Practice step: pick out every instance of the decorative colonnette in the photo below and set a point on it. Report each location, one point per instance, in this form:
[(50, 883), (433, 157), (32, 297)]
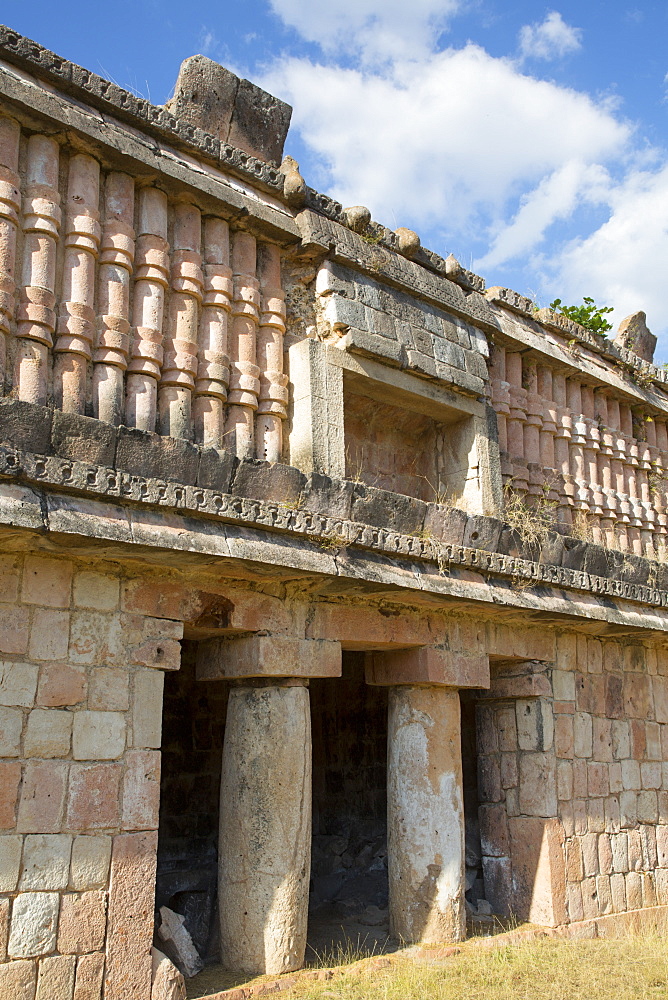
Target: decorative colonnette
[(604, 465), (178, 326), (335, 533), (81, 678)]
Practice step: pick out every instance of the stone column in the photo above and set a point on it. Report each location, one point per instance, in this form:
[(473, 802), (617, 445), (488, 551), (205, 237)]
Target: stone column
[(73, 349), (10, 205), (425, 815), (117, 252), (213, 370), (425, 810), (265, 828), (265, 794), (151, 282), (36, 316), (244, 372), (177, 379)]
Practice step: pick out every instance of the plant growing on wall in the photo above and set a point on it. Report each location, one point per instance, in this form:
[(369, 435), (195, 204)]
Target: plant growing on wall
[(589, 315)]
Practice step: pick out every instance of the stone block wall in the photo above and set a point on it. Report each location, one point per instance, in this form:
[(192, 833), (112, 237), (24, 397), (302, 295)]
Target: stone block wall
[(572, 781), (400, 330), (80, 728)]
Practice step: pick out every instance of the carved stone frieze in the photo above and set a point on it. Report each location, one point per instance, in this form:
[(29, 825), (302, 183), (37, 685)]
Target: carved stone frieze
[(332, 533)]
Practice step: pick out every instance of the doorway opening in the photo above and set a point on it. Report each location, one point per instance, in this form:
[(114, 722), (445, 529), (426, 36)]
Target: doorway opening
[(349, 884), (192, 745)]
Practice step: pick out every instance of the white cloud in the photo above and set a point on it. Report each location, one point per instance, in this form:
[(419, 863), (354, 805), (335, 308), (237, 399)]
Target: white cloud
[(444, 145), (622, 262), (551, 39), (377, 30), (556, 197), (476, 154)]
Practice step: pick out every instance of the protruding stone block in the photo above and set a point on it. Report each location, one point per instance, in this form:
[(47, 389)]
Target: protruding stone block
[(265, 829), (268, 656), (212, 98), (428, 665), (633, 334), (425, 815)]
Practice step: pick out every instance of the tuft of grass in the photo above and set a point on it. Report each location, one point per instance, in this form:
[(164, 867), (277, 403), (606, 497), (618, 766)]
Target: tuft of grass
[(634, 968), (531, 517)]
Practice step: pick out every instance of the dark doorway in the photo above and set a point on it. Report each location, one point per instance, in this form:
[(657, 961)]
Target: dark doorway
[(349, 885), (192, 746)]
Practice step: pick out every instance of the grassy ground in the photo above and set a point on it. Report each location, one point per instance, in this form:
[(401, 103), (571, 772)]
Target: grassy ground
[(632, 969)]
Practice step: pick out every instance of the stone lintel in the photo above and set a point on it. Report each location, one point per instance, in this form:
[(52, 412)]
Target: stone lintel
[(427, 665), (267, 656)]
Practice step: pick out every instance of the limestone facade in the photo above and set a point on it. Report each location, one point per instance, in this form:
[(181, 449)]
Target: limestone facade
[(253, 449)]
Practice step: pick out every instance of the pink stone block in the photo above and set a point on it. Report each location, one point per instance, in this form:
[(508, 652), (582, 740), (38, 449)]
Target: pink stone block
[(43, 797), (47, 582), (94, 796), (14, 630), (130, 917), (83, 921), (61, 684), (88, 983)]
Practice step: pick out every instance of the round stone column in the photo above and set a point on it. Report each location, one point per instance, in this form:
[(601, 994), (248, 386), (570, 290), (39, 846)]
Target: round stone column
[(265, 828), (425, 815)]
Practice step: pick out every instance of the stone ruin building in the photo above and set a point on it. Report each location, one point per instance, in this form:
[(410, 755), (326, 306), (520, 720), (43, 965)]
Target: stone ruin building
[(271, 653)]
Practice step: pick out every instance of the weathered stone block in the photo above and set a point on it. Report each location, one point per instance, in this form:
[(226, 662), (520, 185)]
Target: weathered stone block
[(10, 861), (14, 630), (47, 582), (97, 591), (389, 510), (10, 779), (82, 924), (268, 656), (216, 469), (83, 439), (61, 684), (93, 802), (46, 861), (98, 735), (323, 495), (147, 708), (428, 665), (56, 978), (11, 723), (88, 983), (18, 682), (535, 724), (141, 790), (25, 426), (17, 980), (42, 796), (444, 523), (33, 928), (270, 482), (259, 123), (483, 533), (48, 733), (538, 785), (130, 916), (89, 866), (144, 454), (49, 635), (96, 638)]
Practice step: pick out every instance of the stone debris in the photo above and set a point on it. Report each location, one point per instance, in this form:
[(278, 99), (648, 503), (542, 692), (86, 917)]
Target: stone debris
[(178, 942), (167, 982)]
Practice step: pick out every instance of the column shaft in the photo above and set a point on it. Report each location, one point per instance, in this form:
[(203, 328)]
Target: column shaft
[(425, 815), (265, 829)]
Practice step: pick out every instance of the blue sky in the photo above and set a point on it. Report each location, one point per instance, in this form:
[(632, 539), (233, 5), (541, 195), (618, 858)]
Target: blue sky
[(527, 139)]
